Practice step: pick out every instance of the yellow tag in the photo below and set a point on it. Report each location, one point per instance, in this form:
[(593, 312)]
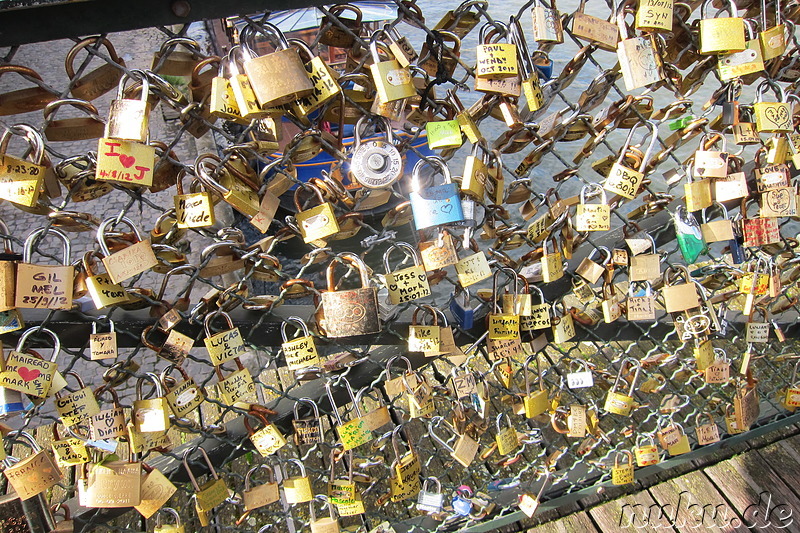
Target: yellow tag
[(623, 181), (472, 269), (77, 406), (300, 353), (654, 15), (69, 452), (622, 475), (746, 283), (503, 326), (125, 161), (194, 210), (20, 181), (224, 346), (423, 338), (28, 374), (407, 284), (238, 387), (354, 433)]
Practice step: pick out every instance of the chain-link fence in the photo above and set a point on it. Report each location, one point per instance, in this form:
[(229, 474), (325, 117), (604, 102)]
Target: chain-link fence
[(697, 365)]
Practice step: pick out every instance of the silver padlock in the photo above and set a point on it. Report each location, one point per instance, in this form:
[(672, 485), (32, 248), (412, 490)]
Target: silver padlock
[(376, 164), (430, 501)]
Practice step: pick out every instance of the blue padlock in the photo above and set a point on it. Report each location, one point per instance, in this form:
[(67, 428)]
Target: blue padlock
[(463, 314), (436, 205), (462, 505)]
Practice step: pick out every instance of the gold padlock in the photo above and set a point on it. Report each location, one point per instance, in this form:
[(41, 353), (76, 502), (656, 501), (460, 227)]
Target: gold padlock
[(721, 34), (128, 119), (620, 403)]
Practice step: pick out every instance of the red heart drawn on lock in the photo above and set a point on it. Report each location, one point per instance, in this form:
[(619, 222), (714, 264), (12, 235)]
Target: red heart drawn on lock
[(127, 160), (28, 374)]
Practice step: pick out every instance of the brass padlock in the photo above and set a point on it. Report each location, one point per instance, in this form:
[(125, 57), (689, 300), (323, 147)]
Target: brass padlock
[(171, 62), (44, 286), (72, 129), (639, 60), (547, 23), (349, 312), (721, 34), (495, 59), (255, 497), (114, 484), (128, 119), (151, 415), (621, 403), (212, 493), (33, 475), (772, 117), (129, 261), (622, 474), (22, 180), (602, 33), (276, 78), (331, 34), (99, 81), (24, 100), (391, 81)]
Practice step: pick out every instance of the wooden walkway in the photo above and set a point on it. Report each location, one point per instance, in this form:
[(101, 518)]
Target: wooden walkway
[(755, 487)]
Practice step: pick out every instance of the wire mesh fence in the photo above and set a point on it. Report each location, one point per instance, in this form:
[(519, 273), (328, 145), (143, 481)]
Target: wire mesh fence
[(486, 417)]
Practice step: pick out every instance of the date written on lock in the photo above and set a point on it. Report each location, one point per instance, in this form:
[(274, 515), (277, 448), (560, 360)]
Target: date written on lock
[(126, 162), (44, 287)]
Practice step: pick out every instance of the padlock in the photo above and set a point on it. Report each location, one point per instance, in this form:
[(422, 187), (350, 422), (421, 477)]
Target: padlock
[(212, 493), (602, 33), (593, 217), (108, 424), (552, 262), (279, 77), (331, 34), (639, 60), (72, 129), (589, 269), (131, 260), (756, 232), (237, 386), (8, 269), (268, 439), (322, 77), (44, 286), (30, 478), (506, 438), (195, 209), (307, 431), (114, 484), (718, 230), (721, 34), (169, 61), (300, 352), (24, 100), (235, 98), (342, 492), (235, 193), (436, 56), (297, 489), (128, 119), (184, 396), (353, 311), (392, 82), (688, 235), (562, 324), (400, 46), (77, 406), (318, 222), (622, 474), (150, 415), (621, 403), (772, 39), (434, 205), (646, 453), (465, 447), (326, 524), (697, 192), (23, 179), (430, 501), (462, 504), (473, 182), (641, 305), (375, 164), (226, 344), (494, 59), (627, 181), (546, 23), (406, 284), (65, 524), (536, 402), (654, 15), (772, 117), (706, 433), (679, 296), (161, 527), (99, 81)]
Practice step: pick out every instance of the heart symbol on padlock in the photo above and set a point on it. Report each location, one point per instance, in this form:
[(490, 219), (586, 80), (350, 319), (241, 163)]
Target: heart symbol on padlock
[(701, 171), (777, 115), (447, 208), (28, 374), (127, 161)]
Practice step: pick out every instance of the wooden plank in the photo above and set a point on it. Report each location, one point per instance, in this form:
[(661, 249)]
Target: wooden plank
[(692, 503), (635, 512), (574, 523), (757, 493), (784, 458)]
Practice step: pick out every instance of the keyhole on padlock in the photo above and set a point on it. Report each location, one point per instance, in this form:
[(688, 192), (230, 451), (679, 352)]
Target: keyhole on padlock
[(377, 162)]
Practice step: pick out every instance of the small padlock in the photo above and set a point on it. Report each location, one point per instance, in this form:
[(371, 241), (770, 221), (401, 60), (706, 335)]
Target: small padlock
[(627, 181), (44, 286), (150, 415), (129, 261), (129, 119), (99, 81), (593, 217), (639, 60), (495, 60), (353, 311), (255, 497), (392, 82), (622, 474), (212, 493), (621, 403), (375, 164), (772, 117), (547, 26), (434, 205), (326, 524), (646, 453)]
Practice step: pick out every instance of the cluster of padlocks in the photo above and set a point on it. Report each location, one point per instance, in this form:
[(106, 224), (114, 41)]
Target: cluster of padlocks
[(489, 401)]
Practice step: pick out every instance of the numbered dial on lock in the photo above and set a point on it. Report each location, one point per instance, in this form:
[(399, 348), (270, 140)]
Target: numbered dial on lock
[(376, 164)]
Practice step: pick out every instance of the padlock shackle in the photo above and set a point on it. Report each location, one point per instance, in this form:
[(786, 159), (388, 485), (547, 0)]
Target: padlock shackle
[(395, 440), (210, 318), (69, 61), (309, 401), (354, 261), (296, 320), (528, 361), (82, 105), (391, 361), (250, 473), (189, 472), (729, 6), (433, 161), (427, 309), (32, 136), (113, 221), (406, 248), (156, 382), (39, 329), (335, 407), (435, 422), (628, 364), (168, 510)]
